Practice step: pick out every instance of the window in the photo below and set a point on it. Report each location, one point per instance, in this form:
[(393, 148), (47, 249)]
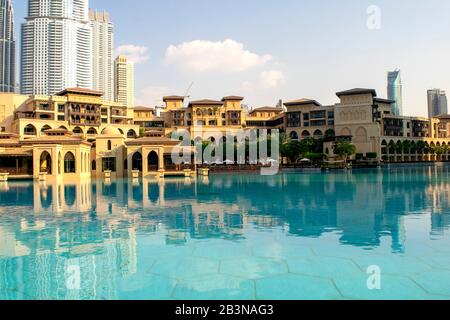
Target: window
[(330, 114), (29, 130), (61, 118), (293, 119), (69, 163), (61, 107), (3, 129), (306, 116), (109, 145), (109, 164)]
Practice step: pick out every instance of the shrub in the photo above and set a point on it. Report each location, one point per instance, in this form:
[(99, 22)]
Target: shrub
[(371, 155)]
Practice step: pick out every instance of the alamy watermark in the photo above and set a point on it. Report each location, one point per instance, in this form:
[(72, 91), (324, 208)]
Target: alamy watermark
[(374, 17), (374, 280)]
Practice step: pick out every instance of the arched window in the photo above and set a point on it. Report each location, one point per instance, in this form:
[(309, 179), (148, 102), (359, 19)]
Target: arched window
[(46, 163), (293, 135), (306, 134), (109, 145), (92, 131), (318, 134), (29, 130), (131, 134), (77, 130), (137, 161), (45, 128), (69, 163), (330, 133), (153, 161)]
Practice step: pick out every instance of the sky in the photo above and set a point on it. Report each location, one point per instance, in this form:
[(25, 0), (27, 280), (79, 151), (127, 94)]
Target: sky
[(266, 50)]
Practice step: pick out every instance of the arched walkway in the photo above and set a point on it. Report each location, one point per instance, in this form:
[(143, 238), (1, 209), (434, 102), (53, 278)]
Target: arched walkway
[(137, 161), (45, 163), (69, 163), (153, 161)]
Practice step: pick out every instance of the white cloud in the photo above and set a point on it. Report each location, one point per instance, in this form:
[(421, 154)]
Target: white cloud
[(152, 96), (207, 56), (272, 78), (136, 54)]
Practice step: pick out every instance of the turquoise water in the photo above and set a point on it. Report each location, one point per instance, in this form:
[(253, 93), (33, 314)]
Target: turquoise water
[(291, 236)]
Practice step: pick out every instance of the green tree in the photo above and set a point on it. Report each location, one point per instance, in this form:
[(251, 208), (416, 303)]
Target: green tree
[(344, 149)]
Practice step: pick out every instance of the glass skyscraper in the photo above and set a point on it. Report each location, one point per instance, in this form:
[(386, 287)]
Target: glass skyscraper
[(437, 103), (56, 47), (7, 47), (395, 92)]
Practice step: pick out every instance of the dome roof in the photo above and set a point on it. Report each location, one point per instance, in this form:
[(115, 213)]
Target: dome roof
[(111, 131)]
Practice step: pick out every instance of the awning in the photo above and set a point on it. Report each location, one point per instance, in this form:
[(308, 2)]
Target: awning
[(16, 152)]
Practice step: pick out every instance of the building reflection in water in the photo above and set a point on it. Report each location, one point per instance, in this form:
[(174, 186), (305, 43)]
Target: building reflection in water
[(95, 225)]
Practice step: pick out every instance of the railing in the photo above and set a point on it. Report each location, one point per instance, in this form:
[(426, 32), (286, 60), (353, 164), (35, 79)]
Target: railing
[(16, 172)]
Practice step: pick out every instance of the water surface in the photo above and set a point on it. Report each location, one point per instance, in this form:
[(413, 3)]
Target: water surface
[(291, 236)]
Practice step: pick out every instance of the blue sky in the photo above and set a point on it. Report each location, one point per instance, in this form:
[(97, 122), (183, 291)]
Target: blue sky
[(284, 49)]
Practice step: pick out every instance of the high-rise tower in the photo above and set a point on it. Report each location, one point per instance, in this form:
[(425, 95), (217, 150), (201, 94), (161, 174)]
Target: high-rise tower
[(395, 92), (437, 103), (7, 47), (56, 46), (124, 81), (102, 49)]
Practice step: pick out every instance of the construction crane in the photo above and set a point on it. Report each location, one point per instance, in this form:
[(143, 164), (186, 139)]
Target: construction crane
[(188, 91)]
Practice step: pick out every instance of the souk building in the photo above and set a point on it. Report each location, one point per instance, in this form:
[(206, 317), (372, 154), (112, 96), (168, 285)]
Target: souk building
[(75, 135), (360, 116)]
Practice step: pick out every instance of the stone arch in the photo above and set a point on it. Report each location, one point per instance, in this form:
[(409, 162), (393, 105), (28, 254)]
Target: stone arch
[(77, 130), (69, 163), (120, 130), (346, 132), (92, 131), (361, 135), (131, 134), (318, 134), (293, 135), (45, 163), (306, 134), (153, 161), (45, 128), (30, 130), (330, 133), (137, 161)]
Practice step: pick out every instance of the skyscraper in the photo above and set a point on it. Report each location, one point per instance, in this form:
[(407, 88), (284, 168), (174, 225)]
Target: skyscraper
[(7, 47), (437, 103), (56, 46), (102, 49), (395, 92), (124, 81)]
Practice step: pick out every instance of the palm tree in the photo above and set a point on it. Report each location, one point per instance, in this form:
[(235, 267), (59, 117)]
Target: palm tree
[(344, 149)]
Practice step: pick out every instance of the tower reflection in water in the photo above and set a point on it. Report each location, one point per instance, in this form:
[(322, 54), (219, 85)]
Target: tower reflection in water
[(109, 229)]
